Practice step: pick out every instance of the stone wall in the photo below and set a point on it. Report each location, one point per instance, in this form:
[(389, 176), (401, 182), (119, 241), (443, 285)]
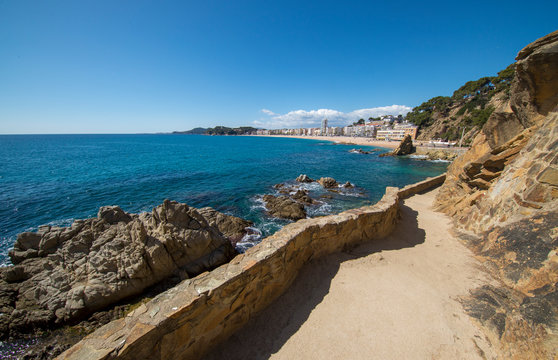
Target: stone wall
[(185, 321)]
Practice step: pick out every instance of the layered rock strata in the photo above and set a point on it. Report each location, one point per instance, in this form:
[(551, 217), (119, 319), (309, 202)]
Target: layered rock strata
[(61, 274), (503, 195)]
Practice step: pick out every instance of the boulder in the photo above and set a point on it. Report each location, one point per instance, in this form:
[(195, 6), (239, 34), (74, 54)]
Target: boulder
[(284, 207), (113, 215), (348, 185), (302, 197), (303, 178), (405, 147), (328, 182), (234, 228), (97, 262)]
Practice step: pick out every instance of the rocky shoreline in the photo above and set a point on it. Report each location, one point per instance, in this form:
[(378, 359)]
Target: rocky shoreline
[(65, 282), (77, 278)]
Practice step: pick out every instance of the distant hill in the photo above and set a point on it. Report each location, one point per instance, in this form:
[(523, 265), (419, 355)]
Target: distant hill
[(219, 130), (194, 131), (468, 108)]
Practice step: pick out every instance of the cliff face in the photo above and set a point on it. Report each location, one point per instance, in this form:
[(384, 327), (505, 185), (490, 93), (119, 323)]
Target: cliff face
[(447, 123), (503, 195)]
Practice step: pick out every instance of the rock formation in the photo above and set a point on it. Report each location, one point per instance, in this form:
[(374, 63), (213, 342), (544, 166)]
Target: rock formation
[(284, 207), (405, 147), (302, 197), (303, 178), (328, 182), (234, 228), (503, 195), (61, 274)]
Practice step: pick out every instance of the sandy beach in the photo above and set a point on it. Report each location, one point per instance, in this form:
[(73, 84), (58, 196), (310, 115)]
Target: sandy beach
[(363, 141), (391, 299), (344, 140)]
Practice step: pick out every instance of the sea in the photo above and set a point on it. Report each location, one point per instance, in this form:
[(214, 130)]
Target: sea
[(55, 179)]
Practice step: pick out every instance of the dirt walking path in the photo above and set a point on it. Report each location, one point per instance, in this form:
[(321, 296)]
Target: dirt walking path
[(391, 299)]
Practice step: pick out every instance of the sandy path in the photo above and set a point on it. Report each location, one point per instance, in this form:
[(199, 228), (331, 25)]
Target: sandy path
[(390, 299)]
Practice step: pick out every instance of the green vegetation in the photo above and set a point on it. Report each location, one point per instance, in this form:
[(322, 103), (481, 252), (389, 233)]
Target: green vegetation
[(478, 117), (223, 130), (219, 130), (422, 114), (471, 99), (195, 131)]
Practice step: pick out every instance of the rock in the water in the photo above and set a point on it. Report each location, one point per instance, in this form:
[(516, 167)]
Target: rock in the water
[(359, 151), (284, 207), (348, 185), (83, 268), (405, 147), (303, 178), (328, 182), (231, 226), (302, 197)]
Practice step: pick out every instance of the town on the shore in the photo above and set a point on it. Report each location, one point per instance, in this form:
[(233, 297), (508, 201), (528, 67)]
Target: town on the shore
[(386, 127)]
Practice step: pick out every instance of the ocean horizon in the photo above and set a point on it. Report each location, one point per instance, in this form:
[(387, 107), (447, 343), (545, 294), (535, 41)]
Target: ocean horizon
[(54, 179)]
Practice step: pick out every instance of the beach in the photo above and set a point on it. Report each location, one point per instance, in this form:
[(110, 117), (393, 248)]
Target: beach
[(364, 141)]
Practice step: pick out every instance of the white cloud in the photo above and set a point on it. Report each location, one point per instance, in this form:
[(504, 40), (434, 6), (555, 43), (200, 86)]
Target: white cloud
[(313, 118), (268, 112)]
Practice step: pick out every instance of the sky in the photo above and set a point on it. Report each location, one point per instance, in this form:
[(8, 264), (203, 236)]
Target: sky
[(159, 66)]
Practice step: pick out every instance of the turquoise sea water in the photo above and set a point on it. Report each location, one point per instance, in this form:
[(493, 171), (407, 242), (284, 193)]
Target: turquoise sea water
[(54, 179)]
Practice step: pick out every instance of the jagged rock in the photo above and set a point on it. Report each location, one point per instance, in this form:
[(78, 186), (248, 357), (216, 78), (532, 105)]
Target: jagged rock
[(488, 175), (303, 178), (232, 227), (328, 182), (533, 93), (480, 183), (441, 155), (113, 215), (302, 197), (284, 207), (405, 147), (359, 151), (348, 185), (99, 261)]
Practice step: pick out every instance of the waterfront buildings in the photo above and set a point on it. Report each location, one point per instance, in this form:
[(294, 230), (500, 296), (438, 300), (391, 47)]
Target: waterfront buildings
[(387, 128)]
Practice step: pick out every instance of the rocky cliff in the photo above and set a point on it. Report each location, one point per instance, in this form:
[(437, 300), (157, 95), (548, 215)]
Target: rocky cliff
[(466, 111), (61, 275), (503, 195)]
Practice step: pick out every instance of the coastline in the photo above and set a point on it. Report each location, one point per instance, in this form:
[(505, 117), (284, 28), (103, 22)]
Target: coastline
[(363, 141)]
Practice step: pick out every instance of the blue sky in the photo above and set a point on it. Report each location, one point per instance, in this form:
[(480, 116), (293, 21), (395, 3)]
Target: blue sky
[(157, 66)]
